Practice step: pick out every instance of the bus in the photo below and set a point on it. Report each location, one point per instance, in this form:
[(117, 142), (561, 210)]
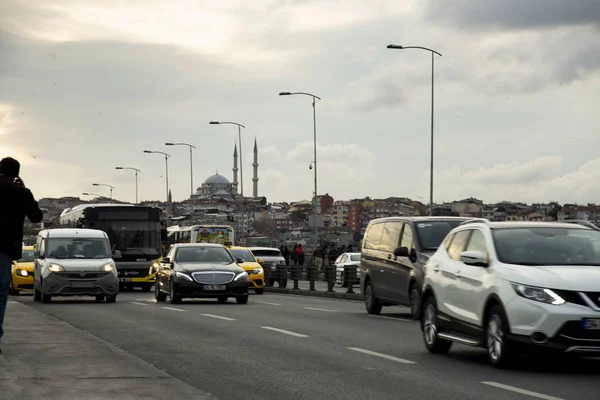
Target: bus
[(220, 234), (261, 241), (135, 231)]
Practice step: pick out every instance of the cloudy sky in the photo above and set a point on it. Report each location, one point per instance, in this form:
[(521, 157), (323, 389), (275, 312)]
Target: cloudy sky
[(87, 85)]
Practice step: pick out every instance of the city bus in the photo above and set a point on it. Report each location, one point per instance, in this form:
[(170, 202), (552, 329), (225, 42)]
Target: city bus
[(135, 231), (261, 241), (220, 234)]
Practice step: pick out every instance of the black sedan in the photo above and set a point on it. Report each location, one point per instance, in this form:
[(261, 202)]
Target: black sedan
[(200, 270)]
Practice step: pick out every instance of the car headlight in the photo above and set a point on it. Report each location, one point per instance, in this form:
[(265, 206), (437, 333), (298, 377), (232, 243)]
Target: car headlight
[(257, 271), (55, 268), (153, 268), (241, 275), (538, 294), (108, 268), (22, 272), (183, 276)]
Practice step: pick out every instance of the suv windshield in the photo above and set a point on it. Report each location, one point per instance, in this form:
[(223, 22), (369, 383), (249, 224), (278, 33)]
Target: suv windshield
[(245, 254), (201, 254), (355, 257), (78, 248), (267, 253), (432, 233), (547, 246), (27, 256)]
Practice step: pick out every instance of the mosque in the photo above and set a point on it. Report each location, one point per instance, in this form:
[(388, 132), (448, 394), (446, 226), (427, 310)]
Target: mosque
[(218, 186)]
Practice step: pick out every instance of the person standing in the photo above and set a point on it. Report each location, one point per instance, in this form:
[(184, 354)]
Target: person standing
[(301, 256), (294, 255), (286, 254), (318, 255), (16, 203)]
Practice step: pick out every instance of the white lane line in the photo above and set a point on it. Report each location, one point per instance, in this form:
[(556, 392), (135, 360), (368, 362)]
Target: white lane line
[(266, 302), (319, 309), (139, 304), (381, 355), (391, 318), (146, 300), (284, 331), (12, 302), (172, 309), (218, 317), (521, 391)]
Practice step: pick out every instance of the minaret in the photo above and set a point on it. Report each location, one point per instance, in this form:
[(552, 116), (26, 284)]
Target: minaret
[(234, 185), (255, 168)]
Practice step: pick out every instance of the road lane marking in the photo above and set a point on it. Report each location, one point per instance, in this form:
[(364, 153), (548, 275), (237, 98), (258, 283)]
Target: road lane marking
[(147, 300), (12, 302), (521, 391), (173, 309), (381, 355), (392, 318), (218, 316), (266, 302), (139, 304), (284, 331), (319, 309)]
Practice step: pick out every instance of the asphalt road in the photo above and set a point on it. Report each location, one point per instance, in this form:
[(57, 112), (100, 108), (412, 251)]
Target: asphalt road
[(320, 286), (291, 347)]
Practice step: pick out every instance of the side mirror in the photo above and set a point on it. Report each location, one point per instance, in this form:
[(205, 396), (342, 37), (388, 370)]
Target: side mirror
[(117, 254), (240, 260), (475, 258), (166, 260), (260, 261), (401, 252)]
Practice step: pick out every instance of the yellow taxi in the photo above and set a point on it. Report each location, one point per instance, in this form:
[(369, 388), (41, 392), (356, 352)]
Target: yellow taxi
[(256, 274), (21, 278)]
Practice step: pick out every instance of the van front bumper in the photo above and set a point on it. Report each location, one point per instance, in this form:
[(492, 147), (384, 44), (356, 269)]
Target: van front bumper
[(80, 284)]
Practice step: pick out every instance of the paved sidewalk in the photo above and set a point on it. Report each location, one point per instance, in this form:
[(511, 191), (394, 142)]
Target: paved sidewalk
[(46, 358)]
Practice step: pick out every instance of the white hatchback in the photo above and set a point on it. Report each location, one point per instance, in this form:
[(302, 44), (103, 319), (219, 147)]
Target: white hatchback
[(514, 287)]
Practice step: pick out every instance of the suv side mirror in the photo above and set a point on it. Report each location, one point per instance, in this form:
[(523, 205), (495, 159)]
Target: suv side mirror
[(166, 260), (117, 254), (240, 260), (475, 258), (401, 252), (260, 261)]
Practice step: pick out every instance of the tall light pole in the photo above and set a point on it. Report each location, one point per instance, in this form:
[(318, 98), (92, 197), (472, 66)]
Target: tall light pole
[(191, 164), (240, 126), (433, 53), (105, 185), (315, 145), (91, 194), (136, 180), (166, 176)]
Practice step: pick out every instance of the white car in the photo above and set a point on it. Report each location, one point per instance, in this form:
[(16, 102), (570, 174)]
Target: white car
[(513, 287), (347, 260), (272, 259)]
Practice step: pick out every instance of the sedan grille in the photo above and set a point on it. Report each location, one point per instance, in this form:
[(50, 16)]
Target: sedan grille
[(213, 278)]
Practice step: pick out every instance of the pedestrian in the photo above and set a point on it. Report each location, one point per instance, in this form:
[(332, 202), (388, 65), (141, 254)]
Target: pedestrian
[(318, 255), (16, 203), (349, 249), (286, 255), (294, 255), (301, 255)]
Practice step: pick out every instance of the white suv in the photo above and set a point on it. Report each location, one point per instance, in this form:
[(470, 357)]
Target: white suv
[(513, 287)]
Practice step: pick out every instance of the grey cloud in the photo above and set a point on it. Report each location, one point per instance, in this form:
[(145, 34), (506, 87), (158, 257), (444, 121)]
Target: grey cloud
[(513, 14)]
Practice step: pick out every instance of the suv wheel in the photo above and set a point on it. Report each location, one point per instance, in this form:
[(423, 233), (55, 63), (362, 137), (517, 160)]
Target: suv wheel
[(430, 330), (371, 303), (37, 295), (500, 353), (415, 302)]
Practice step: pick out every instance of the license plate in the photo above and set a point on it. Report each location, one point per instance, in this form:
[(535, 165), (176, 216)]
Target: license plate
[(140, 259), (214, 287), (591, 324), (273, 267), (124, 279), (82, 284)]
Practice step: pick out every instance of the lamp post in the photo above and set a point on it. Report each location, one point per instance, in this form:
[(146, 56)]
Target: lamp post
[(91, 194), (433, 53), (136, 180), (191, 163), (105, 185), (315, 145), (166, 176), (240, 126)]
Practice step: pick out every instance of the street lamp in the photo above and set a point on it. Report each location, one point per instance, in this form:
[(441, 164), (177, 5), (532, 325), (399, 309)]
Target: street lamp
[(240, 126), (166, 175), (105, 185), (315, 145), (433, 53), (191, 165), (91, 194), (136, 180)]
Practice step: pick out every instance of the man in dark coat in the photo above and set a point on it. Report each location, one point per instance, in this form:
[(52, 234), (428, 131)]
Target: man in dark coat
[(16, 203)]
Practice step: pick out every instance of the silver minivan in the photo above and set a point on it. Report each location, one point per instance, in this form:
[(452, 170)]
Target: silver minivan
[(74, 262)]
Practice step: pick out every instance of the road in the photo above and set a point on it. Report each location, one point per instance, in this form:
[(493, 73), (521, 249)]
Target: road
[(292, 347), (320, 286)]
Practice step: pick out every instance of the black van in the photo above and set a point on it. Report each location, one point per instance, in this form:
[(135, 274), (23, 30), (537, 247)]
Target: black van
[(394, 251)]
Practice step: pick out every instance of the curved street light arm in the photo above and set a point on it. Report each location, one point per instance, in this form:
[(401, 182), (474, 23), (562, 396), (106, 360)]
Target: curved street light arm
[(232, 123), (302, 93), (397, 47)]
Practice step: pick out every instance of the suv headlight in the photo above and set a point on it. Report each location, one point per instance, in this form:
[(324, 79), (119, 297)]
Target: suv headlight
[(538, 294), (241, 275), (22, 272), (181, 275), (108, 268), (257, 271), (153, 268), (55, 268)]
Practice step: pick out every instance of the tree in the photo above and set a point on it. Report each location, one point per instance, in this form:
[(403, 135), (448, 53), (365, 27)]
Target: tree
[(555, 209), (265, 226)]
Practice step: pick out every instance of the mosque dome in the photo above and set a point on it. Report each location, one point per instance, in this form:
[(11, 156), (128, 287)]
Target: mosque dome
[(217, 179)]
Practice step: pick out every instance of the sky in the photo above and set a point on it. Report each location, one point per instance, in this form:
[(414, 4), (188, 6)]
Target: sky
[(86, 86)]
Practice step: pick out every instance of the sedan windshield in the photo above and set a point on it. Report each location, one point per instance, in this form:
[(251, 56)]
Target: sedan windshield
[(355, 257), (548, 246), (432, 233), (202, 254), (244, 254), (27, 256)]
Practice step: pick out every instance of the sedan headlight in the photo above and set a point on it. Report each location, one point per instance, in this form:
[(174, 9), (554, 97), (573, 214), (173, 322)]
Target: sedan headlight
[(257, 271), (538, 294), (108, 268), (22, 272), (181, 275), (55, 268), (241, 275)]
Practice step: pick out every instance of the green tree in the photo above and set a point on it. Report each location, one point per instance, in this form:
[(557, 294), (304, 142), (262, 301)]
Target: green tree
[(265, 227)]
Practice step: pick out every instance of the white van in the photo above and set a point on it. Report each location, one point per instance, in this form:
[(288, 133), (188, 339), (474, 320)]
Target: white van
[(74, 262)]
